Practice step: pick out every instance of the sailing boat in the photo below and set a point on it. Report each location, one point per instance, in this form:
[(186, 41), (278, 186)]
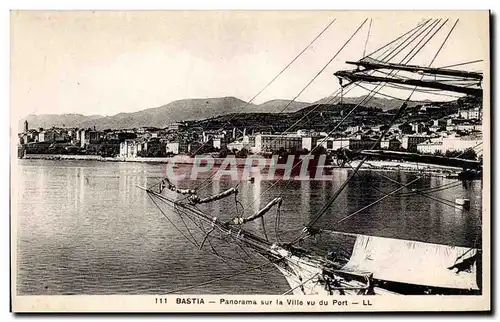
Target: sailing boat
[(376, 265)]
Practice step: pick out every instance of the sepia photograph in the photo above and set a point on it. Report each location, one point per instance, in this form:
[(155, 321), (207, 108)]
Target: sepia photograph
[(250, 161)]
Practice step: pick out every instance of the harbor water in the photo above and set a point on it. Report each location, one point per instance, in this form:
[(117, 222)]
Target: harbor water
[(84, 227)]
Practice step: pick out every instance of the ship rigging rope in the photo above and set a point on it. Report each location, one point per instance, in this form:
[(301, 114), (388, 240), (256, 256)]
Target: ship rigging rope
[(427, 91), (213, 251), (397, 39), (461, 64), (473, 148), (367, 36), (220, 278), (334, 96), (434, 32), (402, 46), (379, 200), (446, 186), (203, 184), (268, 84), (430, 92), (372, 93), (368, 97), (171, 222), (400, 111), (301, 284), (202, 228), (278, 75), (442, 78), (424, 193), (324, 67)]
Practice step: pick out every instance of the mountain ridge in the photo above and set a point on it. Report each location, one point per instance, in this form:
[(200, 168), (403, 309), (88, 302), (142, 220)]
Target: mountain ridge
[(187, 109)]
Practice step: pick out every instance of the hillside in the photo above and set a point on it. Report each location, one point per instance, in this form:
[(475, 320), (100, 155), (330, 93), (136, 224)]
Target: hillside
[(188, 110), (181, 110), (375, 102), (275, 106)]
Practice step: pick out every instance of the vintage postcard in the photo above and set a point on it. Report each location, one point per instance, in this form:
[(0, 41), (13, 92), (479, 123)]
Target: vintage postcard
[(250, 161)]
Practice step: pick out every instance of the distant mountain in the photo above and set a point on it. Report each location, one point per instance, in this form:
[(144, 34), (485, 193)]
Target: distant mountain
[(276, 106), (181, 110), (60, 120), (187, 109)]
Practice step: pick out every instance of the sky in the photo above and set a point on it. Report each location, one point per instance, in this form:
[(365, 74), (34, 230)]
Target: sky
[(109, 62)]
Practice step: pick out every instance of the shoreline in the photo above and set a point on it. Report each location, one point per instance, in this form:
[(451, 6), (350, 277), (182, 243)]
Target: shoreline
[(392, 166)]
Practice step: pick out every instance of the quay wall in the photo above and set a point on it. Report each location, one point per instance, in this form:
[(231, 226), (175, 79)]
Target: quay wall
[(179, 159), (184, 159)]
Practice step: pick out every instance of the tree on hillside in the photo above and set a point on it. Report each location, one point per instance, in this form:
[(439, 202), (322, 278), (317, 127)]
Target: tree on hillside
[(468, 154)]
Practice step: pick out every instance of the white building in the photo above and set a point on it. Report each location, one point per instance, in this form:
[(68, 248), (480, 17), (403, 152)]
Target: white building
[(46, 136), (430, 146), (271, 142), (471, 114), (418, 127), (128, 149), (461, 143), (217, 142), (173, 147), (333, 144), (246, 142), (309, 142), (451, 143)]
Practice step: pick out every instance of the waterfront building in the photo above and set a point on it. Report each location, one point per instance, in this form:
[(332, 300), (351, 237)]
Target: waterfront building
[(333, 144), (410, 142), (353, 143), (217, 142), (406, 128), (419, 127), (177, 147), (462, 143), (271, 142), (310, 142), (390, 144), (89, 137), (173, 147), (128, 148), (471, 114), (451, 143), (247, 142), (132, 148), (47, 136), (430, 146)]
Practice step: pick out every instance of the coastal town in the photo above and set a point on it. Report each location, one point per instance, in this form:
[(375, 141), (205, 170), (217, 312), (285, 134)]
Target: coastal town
[(314, 158), (451, 129)]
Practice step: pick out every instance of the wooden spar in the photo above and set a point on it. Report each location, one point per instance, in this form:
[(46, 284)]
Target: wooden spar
[(197, 200), (240, 234), (264, 210), (354, 77), (174, 188), (414, 68)]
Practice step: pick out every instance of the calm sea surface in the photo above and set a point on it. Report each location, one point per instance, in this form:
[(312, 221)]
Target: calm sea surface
[(85, 228)]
